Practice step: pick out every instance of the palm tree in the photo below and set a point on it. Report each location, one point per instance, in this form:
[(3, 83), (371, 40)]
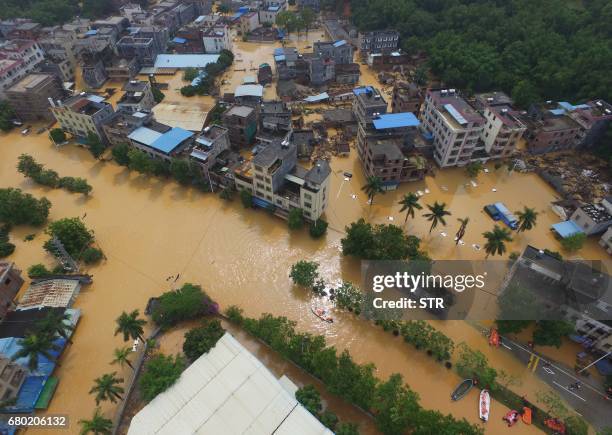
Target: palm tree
[(122, 357), (130, 326), (97, 425), (106, 388), (496, 240), (437, 213), (526, 219), (372, 188), (56, 323), (34, 345), (461, 231), (410, 203)]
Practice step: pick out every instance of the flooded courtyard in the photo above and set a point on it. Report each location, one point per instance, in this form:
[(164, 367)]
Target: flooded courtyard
[(151, 228)]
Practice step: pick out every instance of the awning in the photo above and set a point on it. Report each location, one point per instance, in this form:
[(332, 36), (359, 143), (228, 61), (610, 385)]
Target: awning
[(566, 229)]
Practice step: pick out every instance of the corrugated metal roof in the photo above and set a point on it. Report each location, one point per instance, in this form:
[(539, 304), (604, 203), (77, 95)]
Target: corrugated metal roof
[(340, 43), (249, 91), (184, 60), (227, 391), (144, 135), (179, 40), (171, 139), (316, 98), (396, 120), (567, 228)]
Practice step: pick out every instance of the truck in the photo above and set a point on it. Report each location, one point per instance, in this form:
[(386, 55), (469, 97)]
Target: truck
[(506, 216)]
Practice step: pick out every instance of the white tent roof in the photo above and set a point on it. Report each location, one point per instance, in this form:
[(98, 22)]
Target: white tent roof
[(227, 391)]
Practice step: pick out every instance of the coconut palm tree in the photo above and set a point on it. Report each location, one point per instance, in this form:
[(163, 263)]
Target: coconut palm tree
[(410, 203), (56, 323), (98, 425), (436, 214), (496, 240), (34, 345), (106, 388), (461, 230), (526, 219), (130, 325), (122, 357), (372, 188)]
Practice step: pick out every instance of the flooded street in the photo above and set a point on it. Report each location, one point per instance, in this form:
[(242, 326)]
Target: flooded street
[(151, 228)]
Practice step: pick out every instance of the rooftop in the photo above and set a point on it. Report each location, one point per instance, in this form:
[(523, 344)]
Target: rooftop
[(450, 103), (597, 212), (135, 86), (227, 391), (185, 60), (162, 142), (50, 293), (318, 173), (369, 96), (30, 82), (396, 120), (273, 151), (249, 91), (240, 111)]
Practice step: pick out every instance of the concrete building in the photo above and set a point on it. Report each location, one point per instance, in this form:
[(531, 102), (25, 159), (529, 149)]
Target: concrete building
[(249, 94), (121, 124), (320, 70), (407, 97), (268, 14), (61, 68), (593, 117), (503, 128), (289, 64), (385, 61), (122, 69), (51, 293), (549, 129), (161, 141), (207, 147), (341, 52), (453, 125), (137, 97), (275, 116), (378, 41), (347, 73), (82, 114), (241, 122), (143, 49), (12, 376), (10, 283), (216, 39), (368, 103), (249, 22), (278, 183), (18, 58), (30, 96), (593, 218), (606, 241)]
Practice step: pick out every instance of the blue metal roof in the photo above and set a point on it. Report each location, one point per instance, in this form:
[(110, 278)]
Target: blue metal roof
[(279, 51), (91, 32), (316, 98), (363, 90), (567, 228), (9, 346), (279, 57), (340, 43), (557, 112), (179, 40), (273, 8), (144, 135), (396, 120), (171, 139)]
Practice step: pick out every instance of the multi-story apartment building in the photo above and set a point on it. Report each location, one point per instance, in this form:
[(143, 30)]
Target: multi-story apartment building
[(143, 49), (82, 114), (503, 129), (216, 39), (10, 283), (290, 65), (407, 97), (378, 41), (320, 70), (278, 183), (121, 124), (594, 218), (12, 376), (30, 96), (249, 22), (207, 147), (385, 141), (241, 122), (453, 125), (17, 59), (340, 52), (137, 97), (593, 117), (275, 116)]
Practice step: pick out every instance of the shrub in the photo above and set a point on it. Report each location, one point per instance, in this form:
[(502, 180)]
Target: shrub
[(120, 154), (73, 234), (329, 419), (38, 271), (6, 247), (95, 145), (158, 95), (318, 228), (188, 91), (234, 314), (574, 242), (18, 208), (185, 303), (200, 340), (304, 273), (160, 372), (92, 255), (296, 219), (310, 398), (57, 135)]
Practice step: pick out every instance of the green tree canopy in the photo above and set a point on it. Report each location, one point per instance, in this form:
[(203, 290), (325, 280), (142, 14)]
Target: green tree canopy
[(18, 208), (160, 373), (304, 273), (185, 303), (200, 340), (73, 234)]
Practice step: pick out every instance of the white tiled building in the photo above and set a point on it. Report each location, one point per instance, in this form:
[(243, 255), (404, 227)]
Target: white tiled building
[(216, 39)]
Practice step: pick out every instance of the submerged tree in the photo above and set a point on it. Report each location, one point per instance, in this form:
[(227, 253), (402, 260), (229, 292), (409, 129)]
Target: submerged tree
[(130, 325), (372, 188), (98, 425), (410, 203), (436, 214), (526, 219), (496, 241), (107, 387)]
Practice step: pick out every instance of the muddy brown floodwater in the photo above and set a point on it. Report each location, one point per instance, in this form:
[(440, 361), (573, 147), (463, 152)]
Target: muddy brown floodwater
[(151, 228)]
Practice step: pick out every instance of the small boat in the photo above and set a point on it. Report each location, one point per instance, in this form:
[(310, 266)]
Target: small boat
[(511, 417), (484, 406), (526, 417), (494, 337), (462, 389), (322, 314)]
